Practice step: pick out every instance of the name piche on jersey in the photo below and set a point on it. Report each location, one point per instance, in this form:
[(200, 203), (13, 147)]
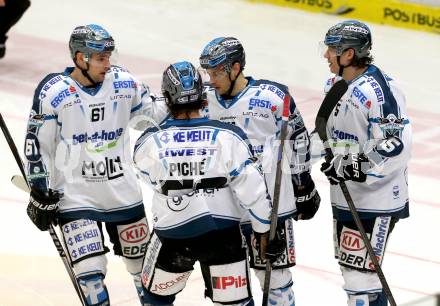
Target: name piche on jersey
[(194, 168)]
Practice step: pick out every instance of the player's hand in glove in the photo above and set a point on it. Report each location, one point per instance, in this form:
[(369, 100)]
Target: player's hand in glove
[(42, 207), (269, 250), (346, 167), (307, 200)]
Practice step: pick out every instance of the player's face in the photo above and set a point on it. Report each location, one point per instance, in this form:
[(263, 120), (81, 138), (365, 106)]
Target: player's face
[(219, 79), (330, 56), (99, 64)]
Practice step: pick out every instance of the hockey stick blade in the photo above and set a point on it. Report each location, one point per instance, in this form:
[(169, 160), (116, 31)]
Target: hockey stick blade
[(328, 104), (19, 182)]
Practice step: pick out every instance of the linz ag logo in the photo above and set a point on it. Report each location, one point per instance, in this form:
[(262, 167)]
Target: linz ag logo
[(352, 241), (134, 233)]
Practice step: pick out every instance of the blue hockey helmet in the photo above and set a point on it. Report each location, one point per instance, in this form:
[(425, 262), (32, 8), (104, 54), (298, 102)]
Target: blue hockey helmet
[(182, 84), (224, 51), (350, 34), (90, 39)]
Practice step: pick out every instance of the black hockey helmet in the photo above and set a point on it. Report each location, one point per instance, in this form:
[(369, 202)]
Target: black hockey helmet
[(90, 39), (350, 34), (224, 51), (182, 84)]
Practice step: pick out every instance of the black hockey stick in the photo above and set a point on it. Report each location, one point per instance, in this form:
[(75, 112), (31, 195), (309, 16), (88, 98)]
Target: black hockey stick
[(276, 195), (327, 106), (52, 232)]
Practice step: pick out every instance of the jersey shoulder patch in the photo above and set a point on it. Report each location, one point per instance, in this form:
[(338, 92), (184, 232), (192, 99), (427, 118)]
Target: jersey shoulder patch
[(54, 88), (272, 90)]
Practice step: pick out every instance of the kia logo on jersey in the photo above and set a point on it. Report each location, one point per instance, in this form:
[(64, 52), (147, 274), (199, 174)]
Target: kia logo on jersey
[(134, 233), (352, 241)]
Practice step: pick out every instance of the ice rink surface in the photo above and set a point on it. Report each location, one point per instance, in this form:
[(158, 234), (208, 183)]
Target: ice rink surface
[(281, 44)]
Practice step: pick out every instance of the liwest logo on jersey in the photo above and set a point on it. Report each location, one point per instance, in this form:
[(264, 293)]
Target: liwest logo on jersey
[(95, 137), (175, 152), (62, 95), (107, 169), (255, 102)]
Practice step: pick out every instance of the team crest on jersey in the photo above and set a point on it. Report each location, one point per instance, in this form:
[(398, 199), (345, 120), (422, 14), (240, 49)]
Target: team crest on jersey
[(391, 125)]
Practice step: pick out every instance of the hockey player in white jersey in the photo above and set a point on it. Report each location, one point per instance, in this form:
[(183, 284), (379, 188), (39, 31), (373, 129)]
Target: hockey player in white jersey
[(256, 106), (78, 159), (204, 178), (371, 136)]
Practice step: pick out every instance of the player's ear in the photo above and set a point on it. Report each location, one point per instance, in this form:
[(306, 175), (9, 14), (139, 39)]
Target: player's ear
[(236, 68)]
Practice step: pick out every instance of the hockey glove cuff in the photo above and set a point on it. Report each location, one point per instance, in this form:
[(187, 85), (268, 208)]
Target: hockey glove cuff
[(269, 250), (42, 208), (307, 200)]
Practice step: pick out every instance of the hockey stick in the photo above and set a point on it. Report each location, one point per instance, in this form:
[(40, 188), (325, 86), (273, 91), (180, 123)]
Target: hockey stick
[(52, 232), (19, 182), (327, 106), (276, 195)]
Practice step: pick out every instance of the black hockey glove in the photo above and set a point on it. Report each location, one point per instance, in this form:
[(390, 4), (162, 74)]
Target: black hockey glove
[(307, 200), (346, 167), (42, 207), (269, 250)]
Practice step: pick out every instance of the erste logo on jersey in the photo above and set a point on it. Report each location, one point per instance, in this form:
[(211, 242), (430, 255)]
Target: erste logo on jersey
[(255, 102), (62, 95)]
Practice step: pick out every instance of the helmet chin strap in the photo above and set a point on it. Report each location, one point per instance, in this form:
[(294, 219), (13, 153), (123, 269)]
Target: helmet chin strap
[(228, 96), (86, 74)]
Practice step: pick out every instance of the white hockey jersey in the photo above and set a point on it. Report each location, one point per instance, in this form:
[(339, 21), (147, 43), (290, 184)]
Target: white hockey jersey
[(371, 111), (204, 177), (78, 143), (258, 110)]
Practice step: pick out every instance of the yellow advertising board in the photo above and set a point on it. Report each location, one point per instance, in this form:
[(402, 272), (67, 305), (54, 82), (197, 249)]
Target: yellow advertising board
[(390, 12)]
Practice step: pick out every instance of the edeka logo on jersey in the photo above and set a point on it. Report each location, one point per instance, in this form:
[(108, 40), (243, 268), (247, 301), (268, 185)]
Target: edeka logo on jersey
[(99, 171), (62, 95)]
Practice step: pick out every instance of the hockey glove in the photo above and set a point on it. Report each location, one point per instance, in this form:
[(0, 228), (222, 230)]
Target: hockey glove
[(346, 167), (42, 207), (307, 200), (270, 250)]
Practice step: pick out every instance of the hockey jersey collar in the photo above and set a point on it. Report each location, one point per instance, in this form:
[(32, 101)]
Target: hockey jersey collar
[(228, 103), (91, 91), (185, 122)]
